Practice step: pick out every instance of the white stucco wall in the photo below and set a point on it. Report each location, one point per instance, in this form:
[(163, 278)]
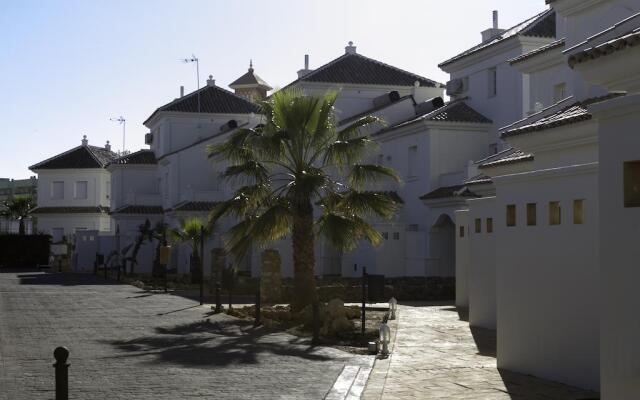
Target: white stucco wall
[(619, 253), (547, 277), (462, 258), (482, 264)]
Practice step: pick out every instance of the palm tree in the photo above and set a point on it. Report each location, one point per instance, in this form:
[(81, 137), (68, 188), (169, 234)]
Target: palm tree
[(297, 158), (190, 231), (18, 208), (145, 234)]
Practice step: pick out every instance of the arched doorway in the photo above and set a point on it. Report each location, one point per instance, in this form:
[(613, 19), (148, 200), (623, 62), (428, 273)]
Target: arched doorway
[(442, 247)]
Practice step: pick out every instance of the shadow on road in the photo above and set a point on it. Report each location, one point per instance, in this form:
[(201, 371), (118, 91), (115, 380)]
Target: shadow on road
[(62, 279), (214, 344)]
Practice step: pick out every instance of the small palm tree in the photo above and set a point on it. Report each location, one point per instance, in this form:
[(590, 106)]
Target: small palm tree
[(145, 234), (18, 208), (296, 159), (190, 231)]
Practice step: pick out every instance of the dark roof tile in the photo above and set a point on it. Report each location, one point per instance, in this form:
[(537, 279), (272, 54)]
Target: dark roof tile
[(250, 78), (70, 210), (449, 191), (213, 100), (538, 51), (84, 156), (138, 209), (140, 157), (197, 206), (629, 39), (541, 25), (570, 114), (512, 156), (358, 69)]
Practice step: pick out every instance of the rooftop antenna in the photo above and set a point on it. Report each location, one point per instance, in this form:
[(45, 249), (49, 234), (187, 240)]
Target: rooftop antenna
[(122, 122), (194, 59)]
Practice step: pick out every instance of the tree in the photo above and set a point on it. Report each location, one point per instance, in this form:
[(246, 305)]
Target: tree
[(18, 208), (190, 231), (145, 234), (297, 158)]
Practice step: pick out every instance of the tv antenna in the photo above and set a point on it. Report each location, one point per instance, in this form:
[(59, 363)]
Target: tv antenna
[(122, 122), (194, 59)]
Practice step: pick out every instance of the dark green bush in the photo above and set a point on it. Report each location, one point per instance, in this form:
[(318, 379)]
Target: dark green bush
[(24, 250)]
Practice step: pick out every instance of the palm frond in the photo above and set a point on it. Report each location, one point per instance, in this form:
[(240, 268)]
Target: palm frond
[(369, 203), (345, 233), (361, 174), (355, 128)]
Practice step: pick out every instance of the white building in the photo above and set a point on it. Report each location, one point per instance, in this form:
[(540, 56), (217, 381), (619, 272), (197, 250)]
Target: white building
[(532, 262), (74, 191)]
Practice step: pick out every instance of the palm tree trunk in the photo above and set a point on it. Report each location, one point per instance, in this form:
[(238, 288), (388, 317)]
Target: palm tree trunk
[(304, 292)]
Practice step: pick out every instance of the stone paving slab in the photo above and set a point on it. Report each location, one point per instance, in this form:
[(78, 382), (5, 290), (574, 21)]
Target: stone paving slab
[(129, 344), (435, 355)]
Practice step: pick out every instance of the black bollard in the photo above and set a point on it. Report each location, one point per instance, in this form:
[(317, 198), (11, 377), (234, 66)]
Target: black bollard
[(61, 354), (258, 305), (316, 323), (364, 297), (201, 265), (218, 298)]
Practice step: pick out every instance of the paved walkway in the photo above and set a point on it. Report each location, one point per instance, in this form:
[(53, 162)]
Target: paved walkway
[(436, 356), (129, 344)]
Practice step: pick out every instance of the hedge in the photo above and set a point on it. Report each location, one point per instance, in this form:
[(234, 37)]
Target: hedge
[(24, 250)]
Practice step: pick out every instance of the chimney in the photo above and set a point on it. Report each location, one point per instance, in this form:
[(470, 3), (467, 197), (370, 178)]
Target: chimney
[(84, 140), (494, 30), (211, 81), (181, 91), (350, 49), (107, 146), (306, 69)]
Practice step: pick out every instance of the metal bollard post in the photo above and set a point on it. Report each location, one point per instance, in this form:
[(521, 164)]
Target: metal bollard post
[(316, 323), (61, 354), (218, 298), (364, 297), (258, 305)]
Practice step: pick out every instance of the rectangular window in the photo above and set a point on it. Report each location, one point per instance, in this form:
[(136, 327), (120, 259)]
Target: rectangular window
[(559, 92), (461, 231), (57, 190), (81, 190), (489, 225), (108, 189), (396, 235), (493, 81), (554, 213), (511, 215), (412, 159), (385, 235), (531, 214), (578, 212), (631, 177), (478, 223)]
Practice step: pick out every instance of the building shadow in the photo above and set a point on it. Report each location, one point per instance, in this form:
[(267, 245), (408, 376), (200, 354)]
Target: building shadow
[(485, 340), (214, 344), (63, 279), (522, 386)]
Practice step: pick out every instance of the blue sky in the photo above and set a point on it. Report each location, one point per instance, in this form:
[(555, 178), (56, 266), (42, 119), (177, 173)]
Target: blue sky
[(66, 67)]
